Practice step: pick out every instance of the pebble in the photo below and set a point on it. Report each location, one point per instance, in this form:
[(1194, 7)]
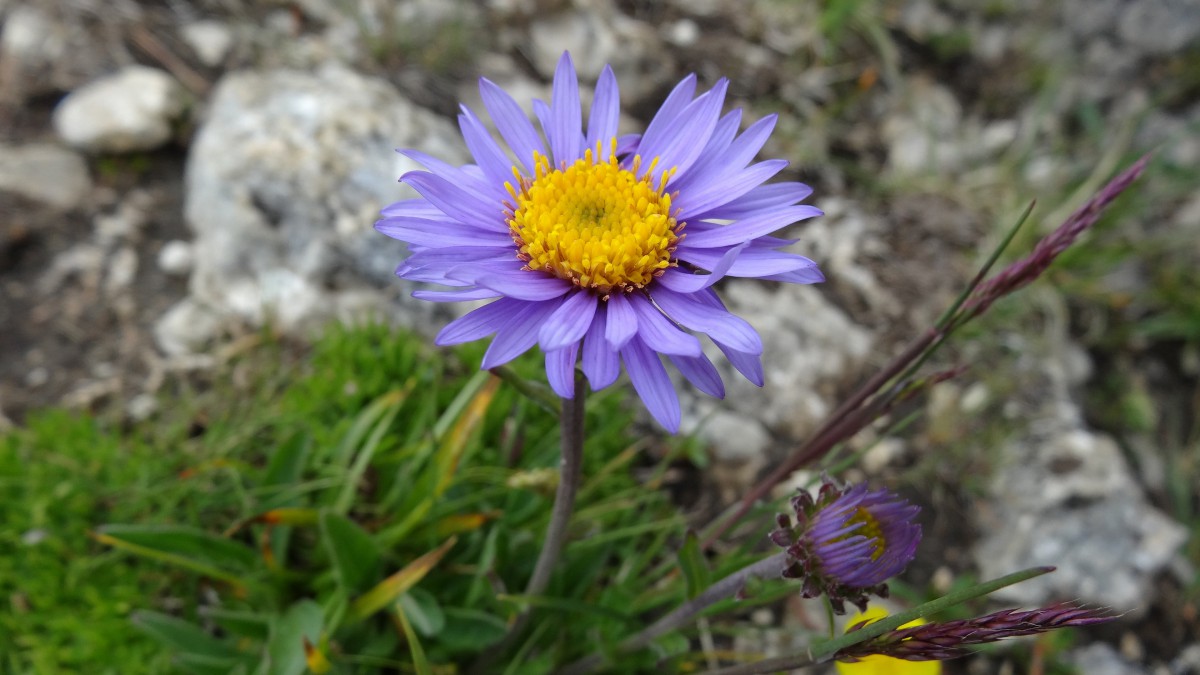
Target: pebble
[(45, 173), (129, 111), (175, 258), (211, 40)]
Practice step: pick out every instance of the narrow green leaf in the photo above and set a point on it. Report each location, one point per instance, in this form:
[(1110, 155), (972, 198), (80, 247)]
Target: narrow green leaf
[(285, 652), (354, 554), (171, 559), (389, 406), (188, 542), (182, 635), (420, 663), (238, 623), (387, 591), (425, 612), (471, 629), (696, 573)]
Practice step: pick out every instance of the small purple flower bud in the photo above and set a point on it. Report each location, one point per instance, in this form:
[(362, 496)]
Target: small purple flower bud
[(847, 542)]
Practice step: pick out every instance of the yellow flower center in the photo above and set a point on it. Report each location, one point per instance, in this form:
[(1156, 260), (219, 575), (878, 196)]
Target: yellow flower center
[(593, 223), (870, 529)]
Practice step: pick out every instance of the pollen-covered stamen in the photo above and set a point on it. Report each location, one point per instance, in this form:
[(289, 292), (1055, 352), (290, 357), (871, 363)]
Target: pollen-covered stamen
[(594, 223), (870, 528)]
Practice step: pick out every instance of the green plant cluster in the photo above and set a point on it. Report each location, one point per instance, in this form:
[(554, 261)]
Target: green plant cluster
[(376, 509)]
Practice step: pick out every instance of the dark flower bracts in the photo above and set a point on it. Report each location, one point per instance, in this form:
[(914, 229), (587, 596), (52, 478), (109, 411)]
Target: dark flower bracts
[(847, 542)]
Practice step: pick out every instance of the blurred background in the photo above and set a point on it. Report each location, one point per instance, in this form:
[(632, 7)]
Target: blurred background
[(187, 189)]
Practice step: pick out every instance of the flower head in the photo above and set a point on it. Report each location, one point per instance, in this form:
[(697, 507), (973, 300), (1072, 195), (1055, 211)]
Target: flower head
[(602, 249), (941, 641), (847, 542)]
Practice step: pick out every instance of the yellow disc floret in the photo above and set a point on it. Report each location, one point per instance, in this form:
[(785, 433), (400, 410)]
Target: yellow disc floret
[(870, 529), (594, 223)]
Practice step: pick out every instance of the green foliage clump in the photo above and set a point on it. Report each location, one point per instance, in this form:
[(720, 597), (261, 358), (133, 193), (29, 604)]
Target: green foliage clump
[(377, 508)]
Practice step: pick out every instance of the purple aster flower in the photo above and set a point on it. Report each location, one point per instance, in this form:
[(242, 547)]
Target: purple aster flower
[(847, 542), (603, 249)]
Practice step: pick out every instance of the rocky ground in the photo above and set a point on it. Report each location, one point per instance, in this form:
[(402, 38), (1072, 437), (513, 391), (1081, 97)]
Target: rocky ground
[(176, 173)]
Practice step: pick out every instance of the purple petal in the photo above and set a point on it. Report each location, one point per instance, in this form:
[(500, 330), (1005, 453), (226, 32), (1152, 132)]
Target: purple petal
[(446, 259), (605, 113), (511, 122), (522, 284), (518, 334), (761, 198), (750, 228), (701, 373), (652, 384), (691, 134), (560, 370), (804, 275), (438, 234), (749, 365), (479, 323), (566, 116), (570, 322), (491, 159), (413, 208), (719, 324), (658, 333), (683, 282), (601, 362), (718, 143), (751, 263), (463, 205), (734, 159), (693, 202), (677, 100), (456, 296), (628, 144), (622, 321), (458, 175)]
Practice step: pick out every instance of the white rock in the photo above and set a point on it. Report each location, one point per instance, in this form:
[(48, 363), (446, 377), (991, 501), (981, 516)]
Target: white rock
[(211, 40), (175, 257), (128, 111), (1065, 497), (45, 173), (284, 181)]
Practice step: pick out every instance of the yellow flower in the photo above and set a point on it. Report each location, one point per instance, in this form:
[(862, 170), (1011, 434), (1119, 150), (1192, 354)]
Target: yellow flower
[(886, 665)]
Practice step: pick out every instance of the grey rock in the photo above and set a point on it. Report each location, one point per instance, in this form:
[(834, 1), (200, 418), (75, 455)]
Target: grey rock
[(601, 36), (286, 177), (131, 110), (1188, 661), (1100, 658), (46, 173), (1160, 26), (31, 38), (187, 328), (1065, 497)]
